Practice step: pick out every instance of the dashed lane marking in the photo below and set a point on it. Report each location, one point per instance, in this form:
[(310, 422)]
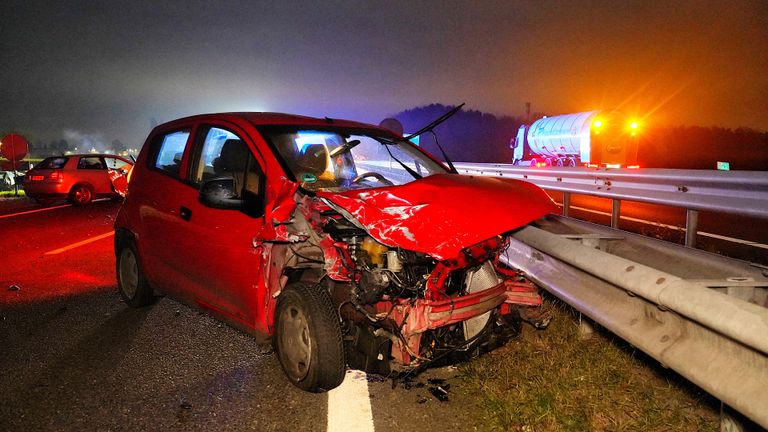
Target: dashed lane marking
[(35, 211), (80, 243), (674, 227), (349, 405)]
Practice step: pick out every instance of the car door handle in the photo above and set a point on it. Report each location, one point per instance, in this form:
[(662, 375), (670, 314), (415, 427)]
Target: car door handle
[(185, 213)]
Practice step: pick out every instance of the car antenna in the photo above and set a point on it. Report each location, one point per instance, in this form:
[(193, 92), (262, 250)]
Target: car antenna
[(430, 128)]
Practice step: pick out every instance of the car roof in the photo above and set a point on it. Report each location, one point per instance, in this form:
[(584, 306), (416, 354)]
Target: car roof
[(273, 118)]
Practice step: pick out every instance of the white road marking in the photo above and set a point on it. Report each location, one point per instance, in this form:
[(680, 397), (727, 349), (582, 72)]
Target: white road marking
[(349, 405), (675, 227), (35, 211), (80, 243)]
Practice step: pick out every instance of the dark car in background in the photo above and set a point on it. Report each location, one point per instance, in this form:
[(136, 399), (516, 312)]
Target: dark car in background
[(78, 178)]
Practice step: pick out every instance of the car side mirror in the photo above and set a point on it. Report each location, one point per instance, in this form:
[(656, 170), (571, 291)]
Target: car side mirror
[(219, 193)]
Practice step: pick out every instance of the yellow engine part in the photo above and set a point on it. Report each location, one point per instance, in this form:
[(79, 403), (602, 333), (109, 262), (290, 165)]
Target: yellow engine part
[(375, 250)]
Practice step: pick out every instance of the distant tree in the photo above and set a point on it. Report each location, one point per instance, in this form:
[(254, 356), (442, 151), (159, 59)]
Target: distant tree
[(60, 147), (118, 147), (470, 135)]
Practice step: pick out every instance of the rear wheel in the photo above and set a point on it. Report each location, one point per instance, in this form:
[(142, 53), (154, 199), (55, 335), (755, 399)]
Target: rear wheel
[(80, 195), (308, 339), (133, 286)]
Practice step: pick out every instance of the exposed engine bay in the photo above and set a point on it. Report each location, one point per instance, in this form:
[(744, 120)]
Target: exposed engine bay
[(401, 309)]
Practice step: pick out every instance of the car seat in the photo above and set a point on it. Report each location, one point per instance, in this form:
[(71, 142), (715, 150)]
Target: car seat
[(313, 159)]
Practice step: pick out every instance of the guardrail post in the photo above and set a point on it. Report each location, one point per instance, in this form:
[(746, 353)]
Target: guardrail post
[(566, 204), (691, 226), (586, 328), (615, 212)]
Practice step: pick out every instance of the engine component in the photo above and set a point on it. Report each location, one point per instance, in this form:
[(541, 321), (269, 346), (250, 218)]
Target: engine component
[(376, 251), (393, 262)]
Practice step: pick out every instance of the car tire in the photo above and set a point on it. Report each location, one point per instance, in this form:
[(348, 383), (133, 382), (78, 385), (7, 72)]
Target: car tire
[(131, 282), (80, 195), (307, 338)]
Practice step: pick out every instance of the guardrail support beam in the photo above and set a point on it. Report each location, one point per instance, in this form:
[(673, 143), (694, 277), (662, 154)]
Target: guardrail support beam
[(691, 227), (615, 212)]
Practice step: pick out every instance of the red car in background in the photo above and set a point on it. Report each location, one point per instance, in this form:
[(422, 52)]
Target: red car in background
[(341, 241), (78, 178)]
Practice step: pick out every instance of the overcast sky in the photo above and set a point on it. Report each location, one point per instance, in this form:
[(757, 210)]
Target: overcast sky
[(112, 68)]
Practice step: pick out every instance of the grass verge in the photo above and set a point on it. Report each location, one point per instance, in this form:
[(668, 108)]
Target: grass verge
[(551, 380), (11, 194)]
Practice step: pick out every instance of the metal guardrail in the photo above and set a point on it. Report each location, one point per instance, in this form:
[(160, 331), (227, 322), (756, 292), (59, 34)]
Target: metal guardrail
[(737, 192), (702, 315)]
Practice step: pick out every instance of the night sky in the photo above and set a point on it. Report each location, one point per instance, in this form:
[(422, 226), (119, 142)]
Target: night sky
[(112, 69)]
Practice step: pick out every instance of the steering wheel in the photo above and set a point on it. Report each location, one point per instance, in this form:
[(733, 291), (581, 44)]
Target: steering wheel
[(375, 175)]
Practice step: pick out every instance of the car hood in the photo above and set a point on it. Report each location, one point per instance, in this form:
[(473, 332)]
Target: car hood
[(442, 214)]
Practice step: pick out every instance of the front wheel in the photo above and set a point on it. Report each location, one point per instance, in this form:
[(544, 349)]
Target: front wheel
[(131, 282), (308, 339)]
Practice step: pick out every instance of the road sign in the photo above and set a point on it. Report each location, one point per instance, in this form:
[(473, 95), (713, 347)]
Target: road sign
[(14, 147)]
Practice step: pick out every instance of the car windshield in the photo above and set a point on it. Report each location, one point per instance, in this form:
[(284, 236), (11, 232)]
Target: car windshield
[(339, 160)]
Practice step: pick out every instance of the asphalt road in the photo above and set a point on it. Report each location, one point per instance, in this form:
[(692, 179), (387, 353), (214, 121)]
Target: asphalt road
[(73, 356)]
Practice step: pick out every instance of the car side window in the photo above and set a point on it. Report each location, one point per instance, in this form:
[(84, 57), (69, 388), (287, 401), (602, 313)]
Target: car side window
[(115, 163), (169, 151), (220, 153), (223, 154), (90, 163)]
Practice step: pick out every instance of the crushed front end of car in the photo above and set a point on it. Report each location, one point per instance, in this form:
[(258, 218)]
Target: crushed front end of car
[(413, 270)]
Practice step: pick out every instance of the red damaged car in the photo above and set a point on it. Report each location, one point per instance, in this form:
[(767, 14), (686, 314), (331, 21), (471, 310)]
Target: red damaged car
[(342, 241)]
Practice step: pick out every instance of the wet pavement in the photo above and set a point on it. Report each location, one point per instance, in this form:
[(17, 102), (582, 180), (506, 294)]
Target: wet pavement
[(74, 357)]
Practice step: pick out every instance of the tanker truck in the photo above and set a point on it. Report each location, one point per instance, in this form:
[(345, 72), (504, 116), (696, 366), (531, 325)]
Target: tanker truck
[(592, 138)]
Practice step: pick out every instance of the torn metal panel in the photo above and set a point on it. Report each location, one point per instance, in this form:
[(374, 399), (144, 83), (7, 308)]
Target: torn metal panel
[(443, 213)]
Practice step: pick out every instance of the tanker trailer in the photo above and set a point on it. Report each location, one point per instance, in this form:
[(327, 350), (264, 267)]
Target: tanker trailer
[(601, 138)]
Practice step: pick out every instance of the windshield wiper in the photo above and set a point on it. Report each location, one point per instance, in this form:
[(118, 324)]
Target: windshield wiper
[(430, 128), (406, 167)]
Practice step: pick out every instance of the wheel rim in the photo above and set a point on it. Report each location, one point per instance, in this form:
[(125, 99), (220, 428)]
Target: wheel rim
[(129, 273), (82, 195), (295, 343)]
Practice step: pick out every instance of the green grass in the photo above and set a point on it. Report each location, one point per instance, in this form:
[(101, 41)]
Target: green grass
[(551, 380), (11, 194)]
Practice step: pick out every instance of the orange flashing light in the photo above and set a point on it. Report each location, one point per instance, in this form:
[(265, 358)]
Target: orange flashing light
[(633, 167), (613, 165)]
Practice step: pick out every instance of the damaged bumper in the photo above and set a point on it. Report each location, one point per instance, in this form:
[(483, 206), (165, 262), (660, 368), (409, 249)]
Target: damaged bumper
[(414, 318)]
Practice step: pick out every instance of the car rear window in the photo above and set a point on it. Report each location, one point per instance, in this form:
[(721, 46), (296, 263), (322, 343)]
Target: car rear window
[(52, 163)]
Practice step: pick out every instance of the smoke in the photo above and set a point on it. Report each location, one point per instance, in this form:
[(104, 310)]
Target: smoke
[(86, 142)]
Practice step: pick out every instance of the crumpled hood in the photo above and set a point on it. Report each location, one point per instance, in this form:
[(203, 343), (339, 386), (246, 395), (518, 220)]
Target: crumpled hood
[(442, 214)]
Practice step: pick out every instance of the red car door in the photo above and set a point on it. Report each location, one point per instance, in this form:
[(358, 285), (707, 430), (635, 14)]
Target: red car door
[(156, 205), (216, 253)]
